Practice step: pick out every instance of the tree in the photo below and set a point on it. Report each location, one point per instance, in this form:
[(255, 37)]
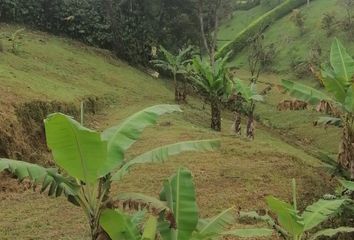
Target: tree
[(214, 83), (176, 65), (178, 214), (89, 161), (293, 225), (337, 80), (248, 97)]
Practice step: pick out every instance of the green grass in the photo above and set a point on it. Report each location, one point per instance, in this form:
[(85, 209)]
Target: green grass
[(288, 41), (240, 19), (240, 174)]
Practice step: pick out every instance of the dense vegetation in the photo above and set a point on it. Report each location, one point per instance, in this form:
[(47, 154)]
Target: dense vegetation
[(180, 39)]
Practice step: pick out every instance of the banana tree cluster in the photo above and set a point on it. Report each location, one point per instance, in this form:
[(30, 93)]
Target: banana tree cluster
[(293, 225), (176, 64), (177, 199), (214, 84), (338, 81), (244, 101), (89, 161)]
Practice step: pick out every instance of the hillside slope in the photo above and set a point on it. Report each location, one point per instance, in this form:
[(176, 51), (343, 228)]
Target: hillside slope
[(286, 37), (240, 174)]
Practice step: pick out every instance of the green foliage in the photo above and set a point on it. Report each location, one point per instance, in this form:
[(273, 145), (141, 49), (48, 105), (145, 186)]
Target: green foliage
[(84, 20), (91, 158), (175, 64), (178, 195), (296, 226), (258, 25), (130, 28), (120, 226)]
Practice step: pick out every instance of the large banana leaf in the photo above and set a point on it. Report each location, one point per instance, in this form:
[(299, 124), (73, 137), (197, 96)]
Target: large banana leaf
[(161, 154), (179, 191), (216, 225), (332, 232), (48, 178), (249, 233), (320, 211), (121, 137), (334, 85), (118, 225), (347, 184), (78, 150), (150, 229), (304, 92), (287, 216), (342, 63)]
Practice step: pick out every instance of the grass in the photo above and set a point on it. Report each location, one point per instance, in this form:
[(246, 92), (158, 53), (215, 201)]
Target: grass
[(240, 174), (291, 44), (240, 19)]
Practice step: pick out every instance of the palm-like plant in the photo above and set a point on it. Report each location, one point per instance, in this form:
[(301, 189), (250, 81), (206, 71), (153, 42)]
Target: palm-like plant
[(214, 83), (293, 225), (248, 96), (178, 212), (90, 161), (175, 64), (338, 81)]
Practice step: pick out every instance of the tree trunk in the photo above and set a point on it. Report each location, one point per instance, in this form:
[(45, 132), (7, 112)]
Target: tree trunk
[(215, 115), (250, 126), (177, 97), (346, 148), (237, 123)]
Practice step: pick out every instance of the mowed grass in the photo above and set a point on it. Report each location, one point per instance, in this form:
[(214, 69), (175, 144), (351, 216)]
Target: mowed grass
[(240, 174)]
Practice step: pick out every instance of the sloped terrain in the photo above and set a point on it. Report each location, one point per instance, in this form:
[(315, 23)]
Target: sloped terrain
[(240, 174)]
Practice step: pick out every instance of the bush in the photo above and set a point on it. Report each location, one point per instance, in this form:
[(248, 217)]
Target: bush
[(328, 23), (83, 20), (259, 25)]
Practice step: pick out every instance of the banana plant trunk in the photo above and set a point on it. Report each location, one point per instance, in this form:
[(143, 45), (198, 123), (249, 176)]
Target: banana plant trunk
[(215, 114), (177, 94), (250, 131), (97, 233), (346, 149), (237, 123)]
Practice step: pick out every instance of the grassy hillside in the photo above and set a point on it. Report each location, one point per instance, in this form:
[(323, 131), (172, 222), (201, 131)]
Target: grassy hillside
[(240, 174), (289, 42), (238, 22)]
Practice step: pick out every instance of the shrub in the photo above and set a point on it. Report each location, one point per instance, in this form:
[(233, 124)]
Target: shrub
[(328, 23)]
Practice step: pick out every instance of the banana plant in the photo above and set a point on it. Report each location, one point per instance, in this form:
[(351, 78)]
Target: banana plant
[(338, 81), (176, 65), (214, 83), (293, 225), (179, 216), (248, 96), (89, 161), (121, 226)]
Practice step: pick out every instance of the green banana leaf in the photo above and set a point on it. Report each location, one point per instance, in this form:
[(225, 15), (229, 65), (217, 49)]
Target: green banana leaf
[(121, 137), (320, 211), (76, 149)]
